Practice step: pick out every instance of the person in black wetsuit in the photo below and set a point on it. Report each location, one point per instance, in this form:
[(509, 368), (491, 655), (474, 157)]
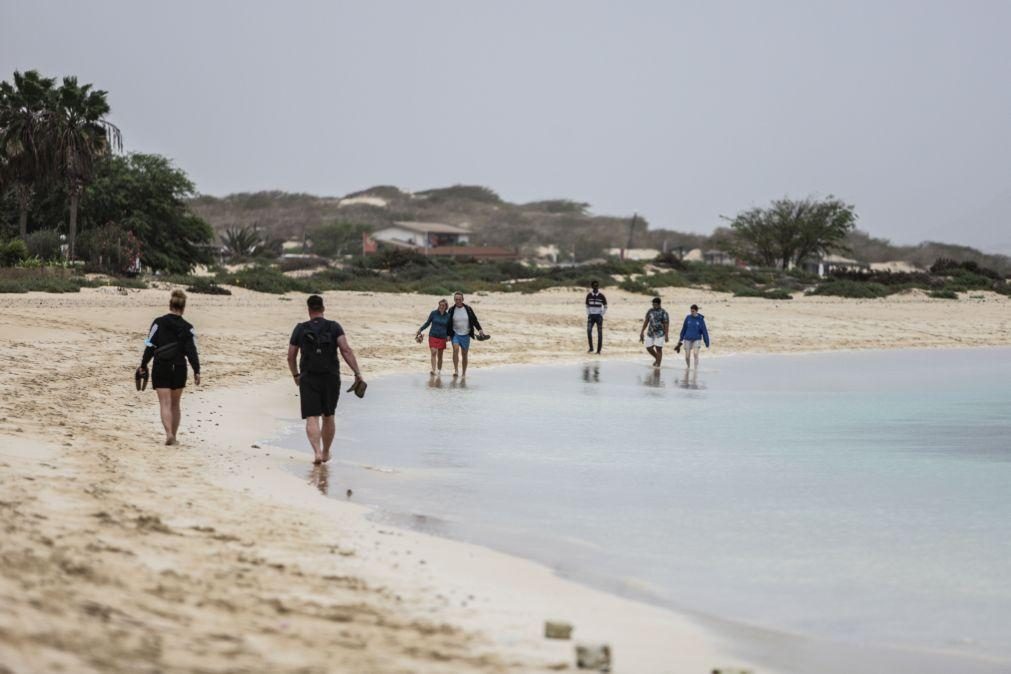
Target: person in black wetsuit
[(170, 343)]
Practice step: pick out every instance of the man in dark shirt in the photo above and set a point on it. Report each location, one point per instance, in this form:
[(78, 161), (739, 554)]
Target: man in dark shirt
[(596, 307), (317, 374)]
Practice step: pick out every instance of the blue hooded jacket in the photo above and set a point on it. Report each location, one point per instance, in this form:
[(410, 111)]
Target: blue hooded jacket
[(694, 328)]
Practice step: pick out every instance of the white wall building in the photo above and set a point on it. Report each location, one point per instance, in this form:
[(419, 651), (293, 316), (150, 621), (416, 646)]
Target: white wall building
[(423, 234)]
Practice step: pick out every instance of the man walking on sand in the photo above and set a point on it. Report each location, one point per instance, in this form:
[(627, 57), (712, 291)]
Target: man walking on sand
[(693, 333), (462, 322), (596, 307), (318, 374), (658, 323)]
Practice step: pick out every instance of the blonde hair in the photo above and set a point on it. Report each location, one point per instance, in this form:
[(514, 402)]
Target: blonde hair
[(177, 302)]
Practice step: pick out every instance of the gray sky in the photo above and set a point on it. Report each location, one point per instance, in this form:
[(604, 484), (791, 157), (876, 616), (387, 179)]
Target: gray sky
[(682, 111)]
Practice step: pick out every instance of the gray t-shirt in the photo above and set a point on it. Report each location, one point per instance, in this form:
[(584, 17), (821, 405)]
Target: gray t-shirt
[(461, 321)]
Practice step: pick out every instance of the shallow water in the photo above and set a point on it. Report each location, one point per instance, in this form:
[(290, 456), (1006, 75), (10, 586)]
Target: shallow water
[(861, 498)]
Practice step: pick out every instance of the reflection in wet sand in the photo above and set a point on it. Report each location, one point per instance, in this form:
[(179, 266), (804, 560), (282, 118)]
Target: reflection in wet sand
[(591, 374), (690, 380), (434, 381), (319, 477), (654, 379)]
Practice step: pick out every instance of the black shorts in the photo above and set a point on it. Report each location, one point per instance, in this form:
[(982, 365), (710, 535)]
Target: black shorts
[(318, 394), (168, 375)]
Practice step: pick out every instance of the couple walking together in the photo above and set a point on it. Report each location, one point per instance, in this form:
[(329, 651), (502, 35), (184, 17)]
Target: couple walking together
[(451, 324)]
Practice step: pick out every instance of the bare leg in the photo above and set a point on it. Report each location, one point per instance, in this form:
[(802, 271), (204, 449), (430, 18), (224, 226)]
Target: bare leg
[(464, 373), (165, 405), (697, 358), (456, 359), (435, 357), (652, 351), (659, 356), (312, 432), (177, 412), (329, 430), (688, 358), (441, 351)]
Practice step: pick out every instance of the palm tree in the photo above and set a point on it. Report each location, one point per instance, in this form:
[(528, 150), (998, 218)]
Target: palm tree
[(25, 118), (80, 135)]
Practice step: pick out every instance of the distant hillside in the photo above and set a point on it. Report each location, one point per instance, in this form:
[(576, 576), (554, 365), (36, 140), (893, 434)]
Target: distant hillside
[(565, 223)]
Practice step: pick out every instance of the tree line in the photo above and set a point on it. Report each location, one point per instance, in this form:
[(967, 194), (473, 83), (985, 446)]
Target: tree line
[(62, 173)]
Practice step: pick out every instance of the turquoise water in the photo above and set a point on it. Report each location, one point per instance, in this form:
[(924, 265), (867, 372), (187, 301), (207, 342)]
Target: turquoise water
[(861, 499)]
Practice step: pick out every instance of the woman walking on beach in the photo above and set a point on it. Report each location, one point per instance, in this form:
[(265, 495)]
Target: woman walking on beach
[(170, 343), (438, 335)]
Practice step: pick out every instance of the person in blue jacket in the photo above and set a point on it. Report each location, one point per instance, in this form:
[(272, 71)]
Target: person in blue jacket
[(437, 336), (693, 333)]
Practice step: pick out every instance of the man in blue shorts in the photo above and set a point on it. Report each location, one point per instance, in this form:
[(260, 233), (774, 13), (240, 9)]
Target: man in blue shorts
[(462, 323)]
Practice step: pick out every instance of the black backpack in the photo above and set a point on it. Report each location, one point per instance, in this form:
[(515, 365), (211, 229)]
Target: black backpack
[(319, 348)]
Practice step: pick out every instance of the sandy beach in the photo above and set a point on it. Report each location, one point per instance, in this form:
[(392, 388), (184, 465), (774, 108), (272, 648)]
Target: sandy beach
[(122, 555)]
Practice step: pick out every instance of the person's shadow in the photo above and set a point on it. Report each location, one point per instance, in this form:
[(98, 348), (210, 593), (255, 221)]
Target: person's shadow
[(319, 477), (591, 374)]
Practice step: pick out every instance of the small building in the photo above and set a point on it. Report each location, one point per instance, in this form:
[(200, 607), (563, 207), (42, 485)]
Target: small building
[(897, 267), (422, 235), (638, 254), (719, 257), (831, 263)]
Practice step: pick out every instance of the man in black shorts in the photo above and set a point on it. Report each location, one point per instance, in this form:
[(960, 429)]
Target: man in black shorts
[(318, 374)]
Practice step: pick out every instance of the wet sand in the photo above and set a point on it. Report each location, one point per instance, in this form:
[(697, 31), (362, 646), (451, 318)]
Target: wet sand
[(119, 554)]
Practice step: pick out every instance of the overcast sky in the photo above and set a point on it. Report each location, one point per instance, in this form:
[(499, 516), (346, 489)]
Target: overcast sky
[(681, 111)]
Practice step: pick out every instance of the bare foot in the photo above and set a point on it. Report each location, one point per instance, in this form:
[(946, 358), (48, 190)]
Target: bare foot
[(326, 455), (170, 441), (431, 372), (317, 460), (455, 373)]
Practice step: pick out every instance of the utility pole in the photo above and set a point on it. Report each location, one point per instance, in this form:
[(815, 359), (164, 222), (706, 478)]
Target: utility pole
[(631, 231)]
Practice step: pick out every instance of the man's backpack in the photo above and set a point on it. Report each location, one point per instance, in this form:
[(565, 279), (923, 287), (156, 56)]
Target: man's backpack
[(319, 348)]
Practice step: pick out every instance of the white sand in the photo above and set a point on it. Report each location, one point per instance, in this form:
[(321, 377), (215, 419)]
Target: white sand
[(119, 554)]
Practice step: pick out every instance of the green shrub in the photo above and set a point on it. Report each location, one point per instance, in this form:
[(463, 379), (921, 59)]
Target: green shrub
[(770, 294), (12, 252), (943, 294), (265, 279), (12, 286), (636, 286), (300, 263), (204, 286), (854, 289), (441, 291), (45, 244)]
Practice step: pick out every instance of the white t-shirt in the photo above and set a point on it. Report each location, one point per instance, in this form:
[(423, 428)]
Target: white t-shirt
[(461, 321)]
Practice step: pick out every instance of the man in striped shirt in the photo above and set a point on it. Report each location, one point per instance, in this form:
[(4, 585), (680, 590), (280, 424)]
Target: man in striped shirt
[(596, 307)]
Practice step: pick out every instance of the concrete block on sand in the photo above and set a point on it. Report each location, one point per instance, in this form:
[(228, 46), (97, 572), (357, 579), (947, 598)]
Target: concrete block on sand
[(556, 629), (595, 657)]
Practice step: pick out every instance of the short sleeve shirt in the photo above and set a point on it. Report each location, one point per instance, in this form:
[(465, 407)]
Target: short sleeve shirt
[(657, 317), (296, 338)]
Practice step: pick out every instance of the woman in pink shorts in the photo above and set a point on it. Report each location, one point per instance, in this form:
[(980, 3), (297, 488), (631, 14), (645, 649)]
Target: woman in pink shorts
[(438, 335)]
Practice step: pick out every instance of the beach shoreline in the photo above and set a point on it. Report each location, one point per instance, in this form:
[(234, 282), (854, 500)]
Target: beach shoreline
[(197, 560)]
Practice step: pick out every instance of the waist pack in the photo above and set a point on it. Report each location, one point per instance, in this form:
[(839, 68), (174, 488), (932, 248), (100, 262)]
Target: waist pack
[(167, 352), (170, 351)]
